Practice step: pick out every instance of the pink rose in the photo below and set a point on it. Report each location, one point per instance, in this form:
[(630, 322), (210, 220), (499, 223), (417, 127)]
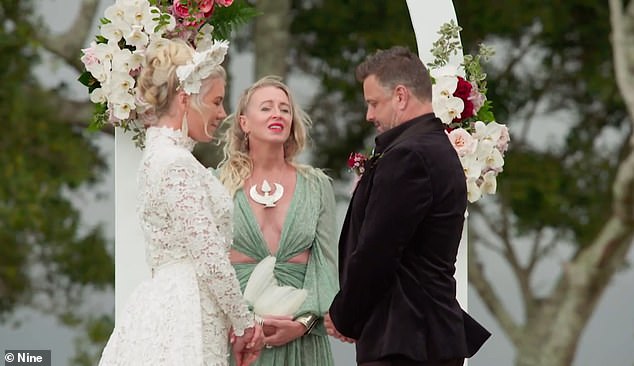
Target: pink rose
[(462, 141), (206, 6), (205, 9), (476, 98), (224, 3), (180, 10)]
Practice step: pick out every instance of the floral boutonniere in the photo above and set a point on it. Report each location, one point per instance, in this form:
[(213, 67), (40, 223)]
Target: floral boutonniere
[(356, 163), (359, 162)]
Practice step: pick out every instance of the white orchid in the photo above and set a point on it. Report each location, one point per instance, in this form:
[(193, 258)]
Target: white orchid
[(447, 108), (114, 31), (116, 13), (122, 60), (444, 86), (489, 183), (105, 53), (471, 166), (474, 192), (121, 82), (490, 131), (139, 13), (137, 37), (98, 96), (123, 103), (494, 160)]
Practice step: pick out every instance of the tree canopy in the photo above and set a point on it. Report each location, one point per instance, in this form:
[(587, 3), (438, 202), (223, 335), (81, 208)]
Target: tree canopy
[(47, 256)]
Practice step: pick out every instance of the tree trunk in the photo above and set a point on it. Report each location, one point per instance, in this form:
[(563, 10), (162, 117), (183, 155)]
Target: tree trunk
[(271, 37)]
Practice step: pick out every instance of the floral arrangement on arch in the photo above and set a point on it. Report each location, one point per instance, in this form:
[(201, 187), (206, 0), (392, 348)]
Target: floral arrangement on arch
[(459, 100), (128, 27)]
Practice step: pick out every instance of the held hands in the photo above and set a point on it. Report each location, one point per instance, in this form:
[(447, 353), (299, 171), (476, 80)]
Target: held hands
[(333, 332), (246, 348), (279, 330)]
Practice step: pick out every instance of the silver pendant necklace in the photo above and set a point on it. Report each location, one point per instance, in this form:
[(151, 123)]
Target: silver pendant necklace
[(267, 199)]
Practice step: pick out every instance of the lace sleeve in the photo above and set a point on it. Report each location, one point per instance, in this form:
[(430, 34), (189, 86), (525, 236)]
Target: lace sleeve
[(192, 212)]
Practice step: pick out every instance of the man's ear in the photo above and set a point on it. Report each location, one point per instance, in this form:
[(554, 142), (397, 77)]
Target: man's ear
[(402, 95)]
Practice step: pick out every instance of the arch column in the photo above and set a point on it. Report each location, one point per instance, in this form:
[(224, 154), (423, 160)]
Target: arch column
[(426, 21)]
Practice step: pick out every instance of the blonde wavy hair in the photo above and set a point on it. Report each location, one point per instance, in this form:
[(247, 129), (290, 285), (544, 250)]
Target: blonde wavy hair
[(237, 165), (158, 84)]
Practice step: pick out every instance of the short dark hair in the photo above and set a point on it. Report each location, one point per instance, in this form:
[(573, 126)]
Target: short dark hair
[(394, 66)]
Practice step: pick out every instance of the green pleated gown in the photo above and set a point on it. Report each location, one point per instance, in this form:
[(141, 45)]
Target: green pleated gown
[(309, 224)]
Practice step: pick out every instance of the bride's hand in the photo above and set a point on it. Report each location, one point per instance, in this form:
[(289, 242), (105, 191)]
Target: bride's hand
[(246, 348), (281, 330)]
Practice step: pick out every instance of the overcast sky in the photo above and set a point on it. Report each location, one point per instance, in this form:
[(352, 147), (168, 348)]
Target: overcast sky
[(609, 335)]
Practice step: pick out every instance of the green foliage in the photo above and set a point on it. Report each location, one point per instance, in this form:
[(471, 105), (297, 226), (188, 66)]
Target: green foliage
[(330, 39), (43, 162), (447, 45), (569, 69), (88, 80), (545, 190), (227, 19)]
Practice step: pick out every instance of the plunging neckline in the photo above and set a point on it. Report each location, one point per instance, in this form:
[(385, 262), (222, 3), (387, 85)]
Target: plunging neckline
[(253, 220)]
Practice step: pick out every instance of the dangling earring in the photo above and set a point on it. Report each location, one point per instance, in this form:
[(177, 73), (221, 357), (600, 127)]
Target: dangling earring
[(184, 127), (245, 142)]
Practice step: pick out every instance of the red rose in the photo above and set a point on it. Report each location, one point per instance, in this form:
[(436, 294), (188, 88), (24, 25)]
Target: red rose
[(463, 91), (356, 160)]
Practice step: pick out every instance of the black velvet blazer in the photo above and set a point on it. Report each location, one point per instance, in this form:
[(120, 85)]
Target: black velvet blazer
[(398, 247)]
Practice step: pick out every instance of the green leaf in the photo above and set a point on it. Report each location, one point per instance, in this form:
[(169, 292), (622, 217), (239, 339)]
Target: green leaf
[(485, 114), (227, 19), (88, 80)]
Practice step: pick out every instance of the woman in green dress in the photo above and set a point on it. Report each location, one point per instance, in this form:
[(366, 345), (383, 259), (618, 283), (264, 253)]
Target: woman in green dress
[(286, 210)]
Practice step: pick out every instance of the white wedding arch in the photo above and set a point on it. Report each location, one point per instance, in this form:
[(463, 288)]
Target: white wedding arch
[(426, 20), (130, 266)]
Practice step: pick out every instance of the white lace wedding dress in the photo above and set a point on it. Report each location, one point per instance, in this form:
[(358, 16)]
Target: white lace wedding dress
[(182, 315)]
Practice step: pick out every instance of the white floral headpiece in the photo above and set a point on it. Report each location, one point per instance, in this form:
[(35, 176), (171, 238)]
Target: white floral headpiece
[(201, 66)]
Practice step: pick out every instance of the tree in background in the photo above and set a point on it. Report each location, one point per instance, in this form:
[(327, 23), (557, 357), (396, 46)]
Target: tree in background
[(329, 39), (555, 67), (48, 259)]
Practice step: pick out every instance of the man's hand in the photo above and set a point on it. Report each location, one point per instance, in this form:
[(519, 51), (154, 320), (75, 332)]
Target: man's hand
[(333, 332)]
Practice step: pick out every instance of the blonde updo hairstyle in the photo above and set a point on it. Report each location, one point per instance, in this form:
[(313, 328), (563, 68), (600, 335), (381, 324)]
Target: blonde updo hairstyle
[(158, 84), (237, 165)]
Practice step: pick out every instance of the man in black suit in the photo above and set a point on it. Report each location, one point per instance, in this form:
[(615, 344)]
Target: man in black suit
[(398, 245)]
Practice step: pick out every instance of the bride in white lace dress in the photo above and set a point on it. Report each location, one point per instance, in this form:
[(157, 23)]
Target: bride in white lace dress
[(183, 314)]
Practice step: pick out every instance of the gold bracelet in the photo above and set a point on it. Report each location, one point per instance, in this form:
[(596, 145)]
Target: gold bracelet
[(308, 320)]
